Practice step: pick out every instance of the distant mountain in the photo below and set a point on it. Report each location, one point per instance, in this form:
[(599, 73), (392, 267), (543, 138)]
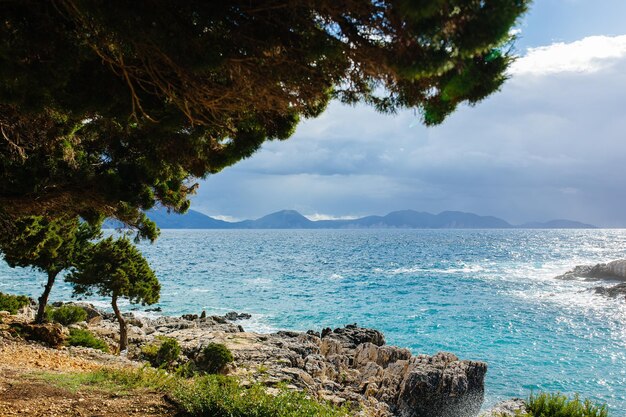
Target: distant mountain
[(404, 219), (284, 219), (411, 219), (557, 224), (190, 220)]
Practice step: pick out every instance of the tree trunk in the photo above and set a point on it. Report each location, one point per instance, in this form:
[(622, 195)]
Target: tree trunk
[(43, 300), (122, 322)]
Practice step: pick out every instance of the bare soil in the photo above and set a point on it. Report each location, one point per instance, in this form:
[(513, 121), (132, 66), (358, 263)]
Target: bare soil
[(23, 391)]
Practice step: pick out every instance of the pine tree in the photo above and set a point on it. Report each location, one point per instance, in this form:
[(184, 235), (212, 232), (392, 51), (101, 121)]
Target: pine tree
[(115, 268), (47, 245), (113, 106)]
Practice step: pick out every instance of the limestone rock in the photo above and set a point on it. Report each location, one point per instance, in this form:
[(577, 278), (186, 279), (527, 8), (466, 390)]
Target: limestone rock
[(355, 335), (345, 365), (508, 408), (52, 334), (383, 356), (442, 386), (613, 270), (233, 316), (617, 291), (92, 312)]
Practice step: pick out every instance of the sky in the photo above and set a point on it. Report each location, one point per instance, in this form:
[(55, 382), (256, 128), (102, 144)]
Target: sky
[(549, 145)]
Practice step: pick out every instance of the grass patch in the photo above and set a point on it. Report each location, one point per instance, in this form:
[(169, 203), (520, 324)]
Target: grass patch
[(80, 337), (119, 381), (559, 405), (221, 396), (66, 314), (208, 395), (12, 303)]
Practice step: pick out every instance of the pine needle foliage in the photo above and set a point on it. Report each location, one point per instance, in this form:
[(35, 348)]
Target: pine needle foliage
[(49, 245), (116, 268), (112, 107)]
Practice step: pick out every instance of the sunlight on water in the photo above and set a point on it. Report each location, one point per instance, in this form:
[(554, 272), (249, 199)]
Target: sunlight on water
[(485, 295)]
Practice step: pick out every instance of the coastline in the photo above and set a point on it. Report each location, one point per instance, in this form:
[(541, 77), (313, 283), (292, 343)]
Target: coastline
[(349, 365)]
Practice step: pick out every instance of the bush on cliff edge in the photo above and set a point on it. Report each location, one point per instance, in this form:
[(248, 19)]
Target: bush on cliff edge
[(213, 359), (559, 405), (66, 314), (12, 303), (163, 353)]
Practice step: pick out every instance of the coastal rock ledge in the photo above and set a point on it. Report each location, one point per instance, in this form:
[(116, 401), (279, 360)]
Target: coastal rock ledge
[(350, 365), (613, 271)]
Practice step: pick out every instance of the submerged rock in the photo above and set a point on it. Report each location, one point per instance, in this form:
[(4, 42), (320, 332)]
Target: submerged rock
[(617, 291), (233, 316), (613, 270)]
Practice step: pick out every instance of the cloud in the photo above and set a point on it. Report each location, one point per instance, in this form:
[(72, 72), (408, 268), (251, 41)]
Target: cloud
[(590, 54), (225, 218), (317, 216), (549, 145)]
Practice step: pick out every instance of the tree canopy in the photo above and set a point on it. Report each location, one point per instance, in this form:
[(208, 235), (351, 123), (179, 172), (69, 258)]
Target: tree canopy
[(111, 106), (49, 246), (116, 268)]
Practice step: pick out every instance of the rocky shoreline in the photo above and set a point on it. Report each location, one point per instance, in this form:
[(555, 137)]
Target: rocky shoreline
[(352, 365)]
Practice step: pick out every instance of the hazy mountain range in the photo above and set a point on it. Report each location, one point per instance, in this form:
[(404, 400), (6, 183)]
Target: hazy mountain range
[(404, 219)]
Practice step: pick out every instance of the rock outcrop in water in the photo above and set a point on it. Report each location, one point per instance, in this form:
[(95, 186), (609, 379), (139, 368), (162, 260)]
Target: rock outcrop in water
[(615, 270), (345, 365), (617, 291)]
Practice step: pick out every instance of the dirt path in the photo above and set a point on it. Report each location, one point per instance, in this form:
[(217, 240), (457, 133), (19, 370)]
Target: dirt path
[(25, 392)]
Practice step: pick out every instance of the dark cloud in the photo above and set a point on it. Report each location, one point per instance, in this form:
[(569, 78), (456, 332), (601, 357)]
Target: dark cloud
[(549, 145)]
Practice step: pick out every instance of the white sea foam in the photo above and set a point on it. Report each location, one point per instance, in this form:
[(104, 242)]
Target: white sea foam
[(258, 324), (461, 269), (258, 281), (203, 290)]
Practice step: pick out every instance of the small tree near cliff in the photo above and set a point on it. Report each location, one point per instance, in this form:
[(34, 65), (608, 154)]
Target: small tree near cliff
[(115, 268), (47, 245)]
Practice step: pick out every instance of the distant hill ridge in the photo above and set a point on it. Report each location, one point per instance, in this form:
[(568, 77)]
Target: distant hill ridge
[(404, 219)]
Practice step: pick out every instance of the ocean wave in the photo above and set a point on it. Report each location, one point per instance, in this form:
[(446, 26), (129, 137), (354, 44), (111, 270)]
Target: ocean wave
[(258, 323), (203, 290), (463, 269), (258, 281)]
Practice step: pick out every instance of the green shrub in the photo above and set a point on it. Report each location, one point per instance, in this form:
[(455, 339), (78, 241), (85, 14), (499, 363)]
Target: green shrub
[(79, 337), (221, 396), (12, 303), (163, 353), (186, 370), (213, 358), (66, 314), (558, 405)]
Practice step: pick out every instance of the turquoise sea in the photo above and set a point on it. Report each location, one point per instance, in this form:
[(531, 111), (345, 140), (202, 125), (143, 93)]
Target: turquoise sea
[(483, 294)]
